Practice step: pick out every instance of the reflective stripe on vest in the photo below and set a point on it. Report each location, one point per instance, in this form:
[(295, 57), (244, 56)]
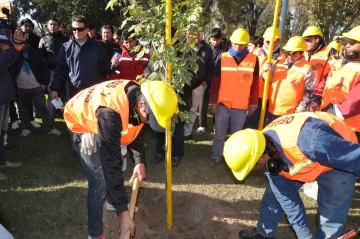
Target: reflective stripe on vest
[(236, 81), (287, 87), (285, 132), (80, 111)]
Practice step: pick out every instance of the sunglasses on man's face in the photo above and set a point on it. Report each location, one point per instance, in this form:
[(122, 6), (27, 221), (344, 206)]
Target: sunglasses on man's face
[(291, 53), (79, 29), (309, 40)]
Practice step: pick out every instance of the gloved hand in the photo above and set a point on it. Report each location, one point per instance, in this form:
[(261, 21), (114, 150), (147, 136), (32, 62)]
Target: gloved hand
[(88, 143), (267, 66)]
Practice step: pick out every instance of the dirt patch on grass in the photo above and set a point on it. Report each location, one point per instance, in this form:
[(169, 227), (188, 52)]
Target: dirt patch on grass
[(194, 216)]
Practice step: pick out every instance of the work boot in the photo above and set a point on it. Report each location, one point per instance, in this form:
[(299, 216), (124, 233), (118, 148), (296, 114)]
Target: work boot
[(157, 159), (252, 234), (214, 162), (10, 164), (3, 177)]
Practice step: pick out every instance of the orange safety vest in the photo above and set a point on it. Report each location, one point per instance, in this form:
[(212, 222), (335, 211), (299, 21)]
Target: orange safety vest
[(80, 111), (236, 81), (337, 87), (287, 129), (318, 61), (287, 87), (262, 59)]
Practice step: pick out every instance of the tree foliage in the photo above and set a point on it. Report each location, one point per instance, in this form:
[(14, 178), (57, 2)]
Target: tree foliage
[(150, 25), (332, 16)]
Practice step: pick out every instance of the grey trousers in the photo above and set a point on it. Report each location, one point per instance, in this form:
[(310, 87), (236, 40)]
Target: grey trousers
[(224, 116), (28, 97), (4, 123)]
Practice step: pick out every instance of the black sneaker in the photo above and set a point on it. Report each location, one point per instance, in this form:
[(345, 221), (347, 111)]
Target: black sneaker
[(214, 162), (157, 159), (189, 137), (252, 234), (175, 162)]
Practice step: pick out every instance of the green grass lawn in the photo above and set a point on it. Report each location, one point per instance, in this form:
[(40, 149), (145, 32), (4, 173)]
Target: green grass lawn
[(46, 197)]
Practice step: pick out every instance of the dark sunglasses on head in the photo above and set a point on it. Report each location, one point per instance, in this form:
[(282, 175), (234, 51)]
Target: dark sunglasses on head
[(79, 29)]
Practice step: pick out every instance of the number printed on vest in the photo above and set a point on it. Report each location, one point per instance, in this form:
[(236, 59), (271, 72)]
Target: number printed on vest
[(282, 120)]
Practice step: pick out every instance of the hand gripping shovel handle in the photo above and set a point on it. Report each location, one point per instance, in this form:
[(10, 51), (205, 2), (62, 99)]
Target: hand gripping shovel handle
[(134, 195), (352, 234)]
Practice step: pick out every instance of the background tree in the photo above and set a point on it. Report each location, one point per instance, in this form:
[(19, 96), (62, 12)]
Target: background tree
[(43, 10), (332, 16), (150, 25)]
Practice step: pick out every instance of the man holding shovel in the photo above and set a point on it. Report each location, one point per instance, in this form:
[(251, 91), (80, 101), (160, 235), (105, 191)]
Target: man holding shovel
[(101, 118)]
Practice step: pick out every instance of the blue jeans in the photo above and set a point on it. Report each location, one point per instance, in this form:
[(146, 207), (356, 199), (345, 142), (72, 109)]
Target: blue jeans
[(96, 187), (281, 195)]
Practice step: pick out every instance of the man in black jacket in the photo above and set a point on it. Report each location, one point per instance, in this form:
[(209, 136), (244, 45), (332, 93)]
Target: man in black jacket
[(82, 60), (201, 78), (31, 76), (49, 47), (8, 56), (27, 26)]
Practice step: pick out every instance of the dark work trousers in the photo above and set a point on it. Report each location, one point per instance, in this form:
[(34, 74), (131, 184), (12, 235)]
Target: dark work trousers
[(4, 121), (26, 99), (177, 142), (203, 108), (252, 121), (13, 114)]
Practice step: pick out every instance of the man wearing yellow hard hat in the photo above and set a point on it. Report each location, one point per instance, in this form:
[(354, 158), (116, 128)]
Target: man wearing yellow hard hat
[(316, 51), (235, 95), (278, 56), (101, 118), (292, 82), (342, 88), (293, 150)]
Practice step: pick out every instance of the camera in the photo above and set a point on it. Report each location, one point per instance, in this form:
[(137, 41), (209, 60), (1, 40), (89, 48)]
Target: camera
[(5, 27)]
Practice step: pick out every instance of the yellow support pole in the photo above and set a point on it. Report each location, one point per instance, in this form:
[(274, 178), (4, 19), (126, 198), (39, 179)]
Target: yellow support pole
[(168, 10), (268, 73)]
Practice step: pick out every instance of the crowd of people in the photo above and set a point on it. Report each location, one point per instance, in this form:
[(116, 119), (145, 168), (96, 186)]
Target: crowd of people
[(306, 76)]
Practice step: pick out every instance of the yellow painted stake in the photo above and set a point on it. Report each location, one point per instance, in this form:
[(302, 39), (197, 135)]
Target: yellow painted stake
[(269, 60), (168, 10)]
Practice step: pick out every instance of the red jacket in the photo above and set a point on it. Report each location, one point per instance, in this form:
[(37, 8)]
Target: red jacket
[(130, 66)]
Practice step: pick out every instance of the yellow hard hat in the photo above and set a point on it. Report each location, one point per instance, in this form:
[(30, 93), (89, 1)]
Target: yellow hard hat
[(353, 34), (335, 44), (269, 31), (240, 36), (296, 43), (242, 151), (312, 31), (162, 100)]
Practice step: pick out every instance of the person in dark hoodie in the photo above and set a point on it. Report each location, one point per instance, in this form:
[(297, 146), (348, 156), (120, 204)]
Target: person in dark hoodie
[(8, 56), (201, 79), (27, 26), (31, 76), (49, 47), (218, 47)]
